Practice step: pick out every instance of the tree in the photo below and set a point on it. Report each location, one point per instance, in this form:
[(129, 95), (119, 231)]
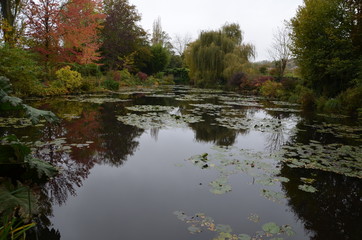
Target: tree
[(160, 58), (79, 28), (181, 42), (43, 20), (121, 35), (217, 55), (160, 37), (280, 50), (326, 36), (10, 10)]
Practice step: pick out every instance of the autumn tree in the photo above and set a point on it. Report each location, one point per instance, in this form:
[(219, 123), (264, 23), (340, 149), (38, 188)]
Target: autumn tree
[(121, 35), (280, 50), (80, 23), (326, 37), (217, 55), (43, 21)]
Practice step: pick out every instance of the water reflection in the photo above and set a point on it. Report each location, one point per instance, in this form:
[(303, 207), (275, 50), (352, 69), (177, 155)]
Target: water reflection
[(111, 142), (209, 131), (334, 212)]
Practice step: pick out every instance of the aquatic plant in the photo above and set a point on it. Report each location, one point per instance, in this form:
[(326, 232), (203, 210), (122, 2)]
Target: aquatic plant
[(200, 222)]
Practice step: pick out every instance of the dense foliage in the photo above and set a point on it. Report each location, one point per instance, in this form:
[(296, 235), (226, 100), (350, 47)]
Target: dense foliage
[(104, 42), (121, 35), (217, 55), (327, 41)]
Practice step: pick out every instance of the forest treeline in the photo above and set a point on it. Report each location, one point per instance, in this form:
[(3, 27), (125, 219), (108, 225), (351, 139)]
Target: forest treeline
[(51, 47)]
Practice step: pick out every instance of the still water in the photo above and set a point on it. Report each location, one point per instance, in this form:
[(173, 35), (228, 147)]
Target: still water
[(182, 163)]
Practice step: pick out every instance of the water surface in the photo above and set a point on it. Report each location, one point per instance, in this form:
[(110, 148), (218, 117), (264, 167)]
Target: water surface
[(183, 163)]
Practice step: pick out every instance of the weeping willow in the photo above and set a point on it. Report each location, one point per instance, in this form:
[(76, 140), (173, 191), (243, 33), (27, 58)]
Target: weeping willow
[(217, 55)]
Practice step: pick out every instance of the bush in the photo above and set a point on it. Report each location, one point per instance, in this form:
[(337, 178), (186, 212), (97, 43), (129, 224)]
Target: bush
[(271, 89), (152, 81), (20, 67), (236, 79), (111, 85), (181, 75), (306, 97), (69, 79), (289, 83), (351, 99), (167, 80), (142, 76)]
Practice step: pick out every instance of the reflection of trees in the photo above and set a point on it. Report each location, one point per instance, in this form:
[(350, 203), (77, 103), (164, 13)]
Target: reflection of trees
[(110, 142), (334, 212), (154, 132), (118, 139), (209, 131), (275, 140)]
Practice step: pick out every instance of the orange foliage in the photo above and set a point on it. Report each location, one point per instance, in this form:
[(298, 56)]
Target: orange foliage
[(79, 28), (43, 18)]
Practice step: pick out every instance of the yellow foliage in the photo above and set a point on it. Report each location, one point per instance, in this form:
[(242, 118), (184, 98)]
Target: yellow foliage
[(271, 89), (69, 79)]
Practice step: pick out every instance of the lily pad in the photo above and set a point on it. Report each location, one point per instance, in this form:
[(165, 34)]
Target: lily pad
[(271, 227), (244, 237), (307, 188), (220, 186), (150, 108)]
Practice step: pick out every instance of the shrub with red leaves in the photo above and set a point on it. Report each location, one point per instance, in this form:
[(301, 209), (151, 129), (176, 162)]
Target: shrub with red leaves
[(142, 76)]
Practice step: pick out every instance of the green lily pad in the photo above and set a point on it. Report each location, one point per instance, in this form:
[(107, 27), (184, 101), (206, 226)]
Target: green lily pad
[(244, 237), (194, 229), (271, 227), (220, 186), (307, 188)]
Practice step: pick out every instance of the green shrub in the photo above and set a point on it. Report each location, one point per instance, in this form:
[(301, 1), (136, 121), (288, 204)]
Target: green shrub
[(125, 75), (87, 69), (152, 81), (20, 67), (332, 105), (271, 89), (111, 85), (351, 99), (167, 80), (307, 99), (69, 79)]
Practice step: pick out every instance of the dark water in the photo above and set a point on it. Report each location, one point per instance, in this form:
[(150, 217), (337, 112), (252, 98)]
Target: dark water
[(127, 181)]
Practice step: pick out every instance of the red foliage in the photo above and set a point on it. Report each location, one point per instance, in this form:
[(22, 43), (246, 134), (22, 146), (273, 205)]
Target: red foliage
[(256, 82), (79, 28), (43, 18), (142, 76), (68, 33)]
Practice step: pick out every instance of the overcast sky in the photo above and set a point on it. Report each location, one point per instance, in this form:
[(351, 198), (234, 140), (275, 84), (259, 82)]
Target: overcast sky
[(258, 19)]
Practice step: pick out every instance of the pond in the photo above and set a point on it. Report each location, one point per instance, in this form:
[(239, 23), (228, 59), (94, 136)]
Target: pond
[(185, 163)]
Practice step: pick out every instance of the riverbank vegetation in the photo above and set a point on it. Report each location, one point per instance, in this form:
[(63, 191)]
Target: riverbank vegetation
[(40, 40), (319, 68)]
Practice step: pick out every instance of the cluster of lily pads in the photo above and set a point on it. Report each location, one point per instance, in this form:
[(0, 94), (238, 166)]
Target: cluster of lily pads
[(262, 167), (231, 160), (98, 100), (19, 122), (200, 222), (57, 145), (338, 130), (338, 158), (156, 116)]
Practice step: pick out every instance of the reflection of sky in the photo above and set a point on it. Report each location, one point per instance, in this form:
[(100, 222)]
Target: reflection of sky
[(136, 200)]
